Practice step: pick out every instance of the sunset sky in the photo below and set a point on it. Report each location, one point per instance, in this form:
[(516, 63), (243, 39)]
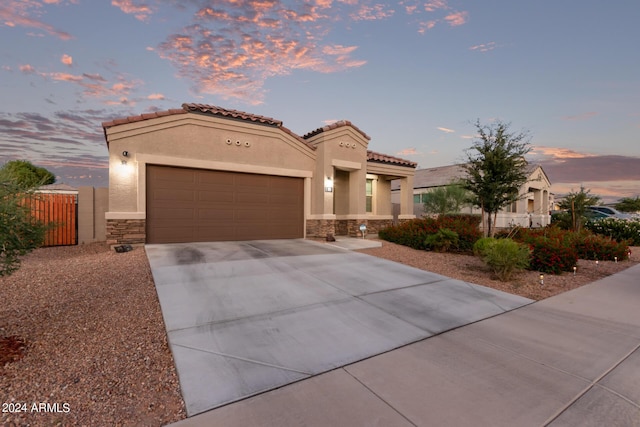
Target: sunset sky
[(413, 75)]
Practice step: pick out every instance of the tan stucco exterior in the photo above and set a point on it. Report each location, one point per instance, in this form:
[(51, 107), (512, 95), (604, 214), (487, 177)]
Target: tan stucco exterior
[(334, 158), (531, 209)]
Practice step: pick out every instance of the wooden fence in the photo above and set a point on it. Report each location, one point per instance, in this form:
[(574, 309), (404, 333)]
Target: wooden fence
[(62, 211)]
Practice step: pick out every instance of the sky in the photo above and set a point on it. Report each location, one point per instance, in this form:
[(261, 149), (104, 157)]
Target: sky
[(413, 75)]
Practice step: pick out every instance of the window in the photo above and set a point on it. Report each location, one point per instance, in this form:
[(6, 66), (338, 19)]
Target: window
[(512, 207), (416, 198), (369, 195)]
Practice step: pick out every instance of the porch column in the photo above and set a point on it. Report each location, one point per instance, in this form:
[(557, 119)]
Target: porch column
[(406, 198)]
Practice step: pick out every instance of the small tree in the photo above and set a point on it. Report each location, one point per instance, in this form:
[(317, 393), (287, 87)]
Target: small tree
[(19, 232), (496, 169), (446, 200), (629, 204), (576, 203), (25, 174)]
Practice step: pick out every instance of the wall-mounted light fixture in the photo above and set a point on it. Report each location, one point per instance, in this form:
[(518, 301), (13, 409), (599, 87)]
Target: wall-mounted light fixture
[(328, 185), (125, 154)]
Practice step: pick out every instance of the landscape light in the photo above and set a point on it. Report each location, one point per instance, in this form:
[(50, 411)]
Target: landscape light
[(541, 279), (574, 270)]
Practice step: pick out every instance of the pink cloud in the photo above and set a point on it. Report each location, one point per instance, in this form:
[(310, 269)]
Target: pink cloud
[(231, 49), (27, 69), (65, 77), (445, 130), (426, 26), (141, 12), (372, 12), (17, 13), (557, 153), (434, 5), (156, 97), (66, 60), (457, 18)]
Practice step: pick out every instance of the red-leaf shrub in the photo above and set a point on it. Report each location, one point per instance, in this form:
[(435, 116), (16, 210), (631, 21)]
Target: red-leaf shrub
[(414, 233), (552, 255), (601, 248), (552, 245)]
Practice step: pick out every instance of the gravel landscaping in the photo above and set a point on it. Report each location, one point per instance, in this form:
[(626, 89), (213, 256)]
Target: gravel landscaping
[(527, 283), (81, 330), (94, 341)]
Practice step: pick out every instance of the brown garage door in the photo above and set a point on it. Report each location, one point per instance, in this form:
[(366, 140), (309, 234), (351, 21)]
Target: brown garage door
[(195, 205)]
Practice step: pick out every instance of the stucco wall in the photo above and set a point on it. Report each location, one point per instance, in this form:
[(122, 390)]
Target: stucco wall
[(198, 141)]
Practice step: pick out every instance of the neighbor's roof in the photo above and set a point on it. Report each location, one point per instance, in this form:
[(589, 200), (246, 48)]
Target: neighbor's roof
[(56, 188), (444, 175), (438, 176)]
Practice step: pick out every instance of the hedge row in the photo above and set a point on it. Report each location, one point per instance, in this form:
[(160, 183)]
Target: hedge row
[(553, 250), (414, 233)]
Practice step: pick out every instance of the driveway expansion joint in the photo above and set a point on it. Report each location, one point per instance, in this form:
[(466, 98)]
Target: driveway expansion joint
[(257, 362)]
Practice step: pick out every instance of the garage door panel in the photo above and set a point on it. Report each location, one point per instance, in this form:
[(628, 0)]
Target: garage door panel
[(215, 178), (252, 198), (173, 195), (221, 205), (171, 214), (224, 196), (174, 234), (213, 216), (174, 175)]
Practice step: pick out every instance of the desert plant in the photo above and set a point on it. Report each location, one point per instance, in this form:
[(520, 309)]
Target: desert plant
[(442, 241), (601, 248), (506, 256), (552, 255), (482, 245), (20, 233), (414, 233), (496, 168)]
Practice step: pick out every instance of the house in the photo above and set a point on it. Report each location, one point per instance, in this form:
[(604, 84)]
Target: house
[(531, 209), (206, 173)]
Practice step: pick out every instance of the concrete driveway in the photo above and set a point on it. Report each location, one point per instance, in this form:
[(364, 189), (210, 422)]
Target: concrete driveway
[(247, 317)]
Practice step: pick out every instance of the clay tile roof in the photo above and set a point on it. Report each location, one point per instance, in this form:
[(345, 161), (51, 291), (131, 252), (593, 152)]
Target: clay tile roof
[(206, 109), (235, 114), (133, 119), (335, 125), (372, 156)]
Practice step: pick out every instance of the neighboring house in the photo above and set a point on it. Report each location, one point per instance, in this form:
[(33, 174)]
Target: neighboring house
[(205, 173), (532, 209)]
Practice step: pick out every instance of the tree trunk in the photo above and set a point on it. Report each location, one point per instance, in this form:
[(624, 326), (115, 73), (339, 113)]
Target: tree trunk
[(484, 228)]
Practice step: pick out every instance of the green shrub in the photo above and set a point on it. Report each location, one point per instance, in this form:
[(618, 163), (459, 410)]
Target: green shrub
[(562, 220), (617, 229), (481, 246), (505, 256), (442, 241), (414, 233)]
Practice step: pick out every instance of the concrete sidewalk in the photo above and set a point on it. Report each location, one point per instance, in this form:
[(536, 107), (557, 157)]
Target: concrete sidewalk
[(570, 360)]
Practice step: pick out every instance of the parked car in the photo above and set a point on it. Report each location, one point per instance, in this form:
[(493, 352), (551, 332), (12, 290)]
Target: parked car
[(607, 212)]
